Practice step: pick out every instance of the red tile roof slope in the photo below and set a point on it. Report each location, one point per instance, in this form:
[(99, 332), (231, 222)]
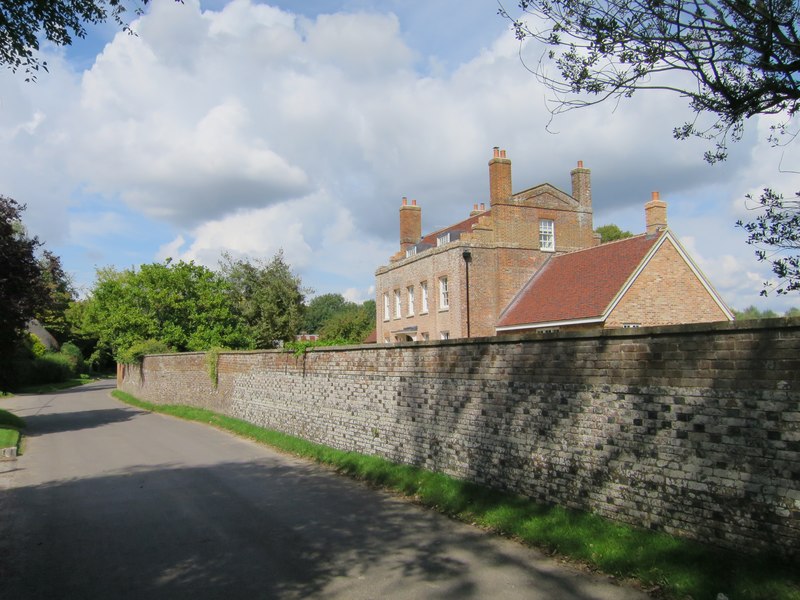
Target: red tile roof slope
[(464, 226), (578, 285)]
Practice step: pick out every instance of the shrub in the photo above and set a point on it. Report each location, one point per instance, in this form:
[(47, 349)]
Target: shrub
[(136, 352), (37, 348), (50, 368), (75, 356)]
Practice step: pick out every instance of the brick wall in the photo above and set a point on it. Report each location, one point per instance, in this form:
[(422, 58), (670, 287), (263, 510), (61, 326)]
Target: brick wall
[(693, 430), (667, 292)]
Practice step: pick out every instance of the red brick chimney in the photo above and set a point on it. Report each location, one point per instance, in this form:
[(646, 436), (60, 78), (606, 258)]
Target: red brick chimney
[(410, 224), (499, 177), (582, 185), (655, 214)]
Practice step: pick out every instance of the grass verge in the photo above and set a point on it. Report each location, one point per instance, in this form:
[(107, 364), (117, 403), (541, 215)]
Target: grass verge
[(10, 424), (667, 566)]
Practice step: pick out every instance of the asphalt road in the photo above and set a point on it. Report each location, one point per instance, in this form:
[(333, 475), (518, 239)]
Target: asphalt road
[(113, 502)]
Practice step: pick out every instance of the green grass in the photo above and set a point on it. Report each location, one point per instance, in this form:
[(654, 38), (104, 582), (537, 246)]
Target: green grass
[(8, 437), (11, 420), (10, 424), (672, 567)]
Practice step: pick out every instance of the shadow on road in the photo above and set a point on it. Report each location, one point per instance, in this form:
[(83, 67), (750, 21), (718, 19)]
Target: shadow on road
[(254, 530), (39, 424)]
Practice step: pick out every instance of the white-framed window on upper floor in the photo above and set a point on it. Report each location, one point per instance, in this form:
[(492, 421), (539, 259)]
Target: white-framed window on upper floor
[(425, 336), (444, 335), (444, 294), (423, 292), (411, 251), (386, 312), (410, 301), (547, 235), (398, 304), (443, 239)]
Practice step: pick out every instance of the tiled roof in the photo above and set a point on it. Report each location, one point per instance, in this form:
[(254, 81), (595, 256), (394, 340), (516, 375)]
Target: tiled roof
[(464, 226), (577, 285)]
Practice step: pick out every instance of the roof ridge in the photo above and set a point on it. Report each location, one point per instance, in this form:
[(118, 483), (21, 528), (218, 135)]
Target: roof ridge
[(606, 244)]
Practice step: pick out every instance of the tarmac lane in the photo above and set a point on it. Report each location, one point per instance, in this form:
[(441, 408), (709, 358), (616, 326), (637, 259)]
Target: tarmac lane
[(109, 501)]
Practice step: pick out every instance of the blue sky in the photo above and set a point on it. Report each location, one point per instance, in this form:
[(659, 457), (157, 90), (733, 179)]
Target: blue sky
[(248, 127)]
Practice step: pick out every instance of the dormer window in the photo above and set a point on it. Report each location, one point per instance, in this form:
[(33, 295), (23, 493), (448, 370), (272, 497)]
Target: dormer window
[(411, 251), (443, 239)]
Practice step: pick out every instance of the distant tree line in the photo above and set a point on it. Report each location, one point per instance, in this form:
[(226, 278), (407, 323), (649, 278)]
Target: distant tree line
[(172, 306), (751, 312)]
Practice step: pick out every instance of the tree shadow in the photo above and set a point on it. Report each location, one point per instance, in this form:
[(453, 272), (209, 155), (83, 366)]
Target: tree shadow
[(273, 528), (40, 424)]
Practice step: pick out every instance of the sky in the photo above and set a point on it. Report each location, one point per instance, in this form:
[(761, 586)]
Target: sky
[(249, 128)]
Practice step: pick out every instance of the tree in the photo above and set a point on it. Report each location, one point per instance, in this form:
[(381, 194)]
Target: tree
[(731, 59), (24, 23), (322, 308), (776, 231), (22, 292), (611, 232), (184, 305), (351, 325), (741, 57), (268, 296), (751, 312), (59, 295)]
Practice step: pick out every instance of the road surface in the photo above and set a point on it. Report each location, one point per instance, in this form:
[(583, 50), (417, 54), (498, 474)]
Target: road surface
[(111, 502)]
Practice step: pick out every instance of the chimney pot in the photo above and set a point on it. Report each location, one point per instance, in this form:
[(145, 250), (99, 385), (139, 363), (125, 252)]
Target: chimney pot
[(654, 196), (580, 164), (496, 151), (483, 206), (502, 153), (413, 203), (405, 201)]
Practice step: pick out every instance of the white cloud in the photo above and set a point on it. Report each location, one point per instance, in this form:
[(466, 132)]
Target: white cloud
[(250, 129)]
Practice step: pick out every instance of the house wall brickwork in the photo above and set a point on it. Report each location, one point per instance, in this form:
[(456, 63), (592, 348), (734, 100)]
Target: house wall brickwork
[(693, 430), (504, 244), (666, 292)]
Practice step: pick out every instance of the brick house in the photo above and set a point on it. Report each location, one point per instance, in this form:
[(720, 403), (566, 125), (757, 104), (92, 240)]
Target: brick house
[(532, 261)]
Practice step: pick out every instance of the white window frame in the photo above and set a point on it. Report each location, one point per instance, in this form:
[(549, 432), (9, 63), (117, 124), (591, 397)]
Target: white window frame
[(423, 286), (443, 239), (387, 313), (398, 305), (410, 290), (425, 336), (444, 293), (411, 251), (444, 335), (547, 235)]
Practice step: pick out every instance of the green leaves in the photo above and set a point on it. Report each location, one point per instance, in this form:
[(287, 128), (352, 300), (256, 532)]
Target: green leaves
[(776, 233), (182, 305), (611, 232), (268, 296)]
